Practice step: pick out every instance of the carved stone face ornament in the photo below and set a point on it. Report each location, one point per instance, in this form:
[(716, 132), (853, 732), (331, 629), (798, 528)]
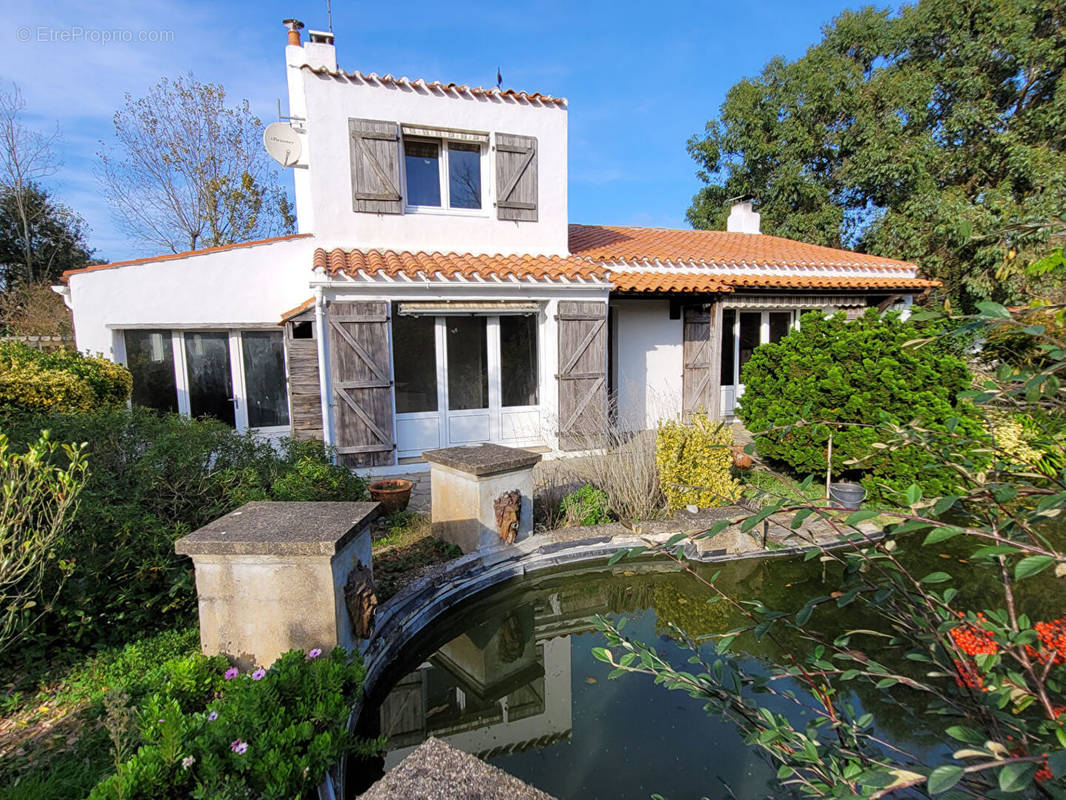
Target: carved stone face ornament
[(361, 600), (508, 508)]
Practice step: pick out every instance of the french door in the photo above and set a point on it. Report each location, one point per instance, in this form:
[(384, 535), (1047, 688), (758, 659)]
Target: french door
[(742, 332), (465, 379)]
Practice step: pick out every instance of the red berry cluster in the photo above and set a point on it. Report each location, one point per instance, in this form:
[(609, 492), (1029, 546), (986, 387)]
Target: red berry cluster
[(968, 676), (973, 640), (1052, 636)]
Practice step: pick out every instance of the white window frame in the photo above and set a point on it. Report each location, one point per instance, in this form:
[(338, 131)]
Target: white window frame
[(237, 376), (443, 176)]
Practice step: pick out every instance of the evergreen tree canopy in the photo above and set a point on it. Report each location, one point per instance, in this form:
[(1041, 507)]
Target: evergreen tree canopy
[(40, 242), (936, 135)]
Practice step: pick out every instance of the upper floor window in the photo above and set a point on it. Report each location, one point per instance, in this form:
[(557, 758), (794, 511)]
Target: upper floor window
[(442, 173)]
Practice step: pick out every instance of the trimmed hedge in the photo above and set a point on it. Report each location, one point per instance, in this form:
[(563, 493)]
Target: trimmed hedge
[(62, 381), (860, 375)]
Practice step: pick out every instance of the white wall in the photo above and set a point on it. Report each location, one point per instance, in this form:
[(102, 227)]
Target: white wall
[(324, 189), (242, 286), (650, 362)]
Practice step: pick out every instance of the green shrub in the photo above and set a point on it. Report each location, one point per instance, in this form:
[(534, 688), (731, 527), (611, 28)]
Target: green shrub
[(859, 375), (587, 506), (153, 479), (273, 733), (58, 381), (695, 462)]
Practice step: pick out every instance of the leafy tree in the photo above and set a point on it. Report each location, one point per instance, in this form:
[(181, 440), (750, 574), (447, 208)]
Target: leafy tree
[(39, 237), (854, 377), (933, 135), (187, 171), (986, 670)]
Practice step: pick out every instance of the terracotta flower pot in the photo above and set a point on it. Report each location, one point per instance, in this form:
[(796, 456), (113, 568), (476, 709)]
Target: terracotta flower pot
[(742, 460), (394, 494)]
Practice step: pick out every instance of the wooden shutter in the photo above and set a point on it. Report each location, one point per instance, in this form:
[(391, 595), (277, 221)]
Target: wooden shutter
[(375, 157), (516, 177), (362, 383), (702, 356), (582, 374), (305, 398)]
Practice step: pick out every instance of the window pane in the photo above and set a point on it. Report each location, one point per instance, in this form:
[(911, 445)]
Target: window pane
[(729, 318), (779, 324), (750, 322), (423, 173), (210, 382), (468, 369), (265, 389), (464, 175), (414, 357), (150, 359), (518, 360)]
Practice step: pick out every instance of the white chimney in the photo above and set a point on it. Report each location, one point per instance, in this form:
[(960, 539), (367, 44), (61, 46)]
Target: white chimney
[(742, 218), (320, 50)]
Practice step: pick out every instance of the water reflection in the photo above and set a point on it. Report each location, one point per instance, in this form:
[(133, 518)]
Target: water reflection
[(510, 677), (494, 689)]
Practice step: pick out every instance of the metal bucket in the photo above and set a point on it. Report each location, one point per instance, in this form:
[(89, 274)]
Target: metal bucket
[(846, 495)]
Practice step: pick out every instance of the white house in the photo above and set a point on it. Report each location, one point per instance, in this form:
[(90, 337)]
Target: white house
[(437, 279)]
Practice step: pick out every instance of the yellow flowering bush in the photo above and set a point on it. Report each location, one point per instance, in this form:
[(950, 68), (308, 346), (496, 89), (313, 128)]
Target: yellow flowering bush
[(28, 387), (695, 461), (62, 381)]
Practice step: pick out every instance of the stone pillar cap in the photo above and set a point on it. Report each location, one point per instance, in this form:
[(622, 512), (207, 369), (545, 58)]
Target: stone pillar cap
[(264, 528), (482, 459)]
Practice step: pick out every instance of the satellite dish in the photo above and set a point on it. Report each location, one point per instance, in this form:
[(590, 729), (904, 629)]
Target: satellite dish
[(282, 143)]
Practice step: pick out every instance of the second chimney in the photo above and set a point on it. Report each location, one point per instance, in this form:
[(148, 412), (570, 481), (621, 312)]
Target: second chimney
[(743, 218)]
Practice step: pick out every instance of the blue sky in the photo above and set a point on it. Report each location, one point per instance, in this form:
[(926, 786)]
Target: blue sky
[(641, 77)]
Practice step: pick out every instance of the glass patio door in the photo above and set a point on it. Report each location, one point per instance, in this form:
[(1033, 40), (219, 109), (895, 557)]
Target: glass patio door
[(207, 359), (742, 332), (467, 364)]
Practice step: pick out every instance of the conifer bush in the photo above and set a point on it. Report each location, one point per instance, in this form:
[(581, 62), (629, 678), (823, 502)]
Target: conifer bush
[(854, 378), (63, 381)]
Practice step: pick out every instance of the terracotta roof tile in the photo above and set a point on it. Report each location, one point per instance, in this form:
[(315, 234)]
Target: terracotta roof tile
[(185, 254), (419, 84), (713, 249), (673, 282), (659, 282), (391, 264)]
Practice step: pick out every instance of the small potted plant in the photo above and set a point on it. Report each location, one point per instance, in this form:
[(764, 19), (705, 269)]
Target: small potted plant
[(393, 493)]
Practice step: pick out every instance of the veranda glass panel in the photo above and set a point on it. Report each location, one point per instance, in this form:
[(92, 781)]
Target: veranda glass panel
[(464, 175), (150, 359), (422, 160), (414, 357), (779, 325), (729, 318), (518, 360), (468, 368), (210, 379), (750, 322), (264, 379)]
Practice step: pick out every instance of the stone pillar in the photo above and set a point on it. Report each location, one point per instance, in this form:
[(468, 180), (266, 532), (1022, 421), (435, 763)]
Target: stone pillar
[(481, 495), (271, 577)]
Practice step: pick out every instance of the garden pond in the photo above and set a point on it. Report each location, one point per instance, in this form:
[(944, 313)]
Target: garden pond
[(510, 676)]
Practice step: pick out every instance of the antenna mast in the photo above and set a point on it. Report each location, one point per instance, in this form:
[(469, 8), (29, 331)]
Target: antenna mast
[(329, 14)]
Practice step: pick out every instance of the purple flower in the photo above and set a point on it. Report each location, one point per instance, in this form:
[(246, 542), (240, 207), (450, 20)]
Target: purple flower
[(232, 673), (237, 746), (314, 652), (212, 716), (258, 674)]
